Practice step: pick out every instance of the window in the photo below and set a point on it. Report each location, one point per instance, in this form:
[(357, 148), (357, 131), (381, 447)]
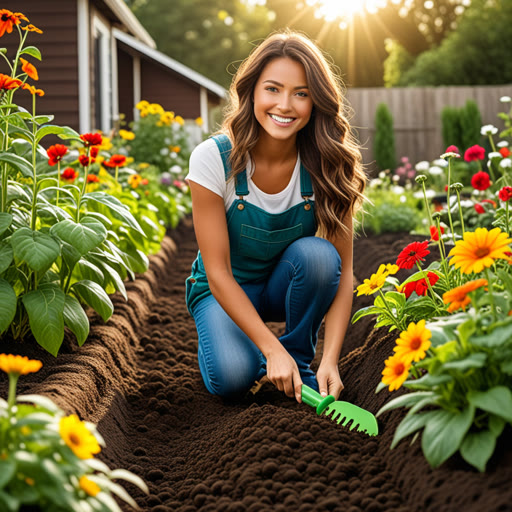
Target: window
[(102, 76)]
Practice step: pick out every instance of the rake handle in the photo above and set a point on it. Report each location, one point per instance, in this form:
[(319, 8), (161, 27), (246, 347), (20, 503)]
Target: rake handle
[(315, 399)]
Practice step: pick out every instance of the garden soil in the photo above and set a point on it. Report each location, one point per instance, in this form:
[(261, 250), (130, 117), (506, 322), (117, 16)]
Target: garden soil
[(137, 377)]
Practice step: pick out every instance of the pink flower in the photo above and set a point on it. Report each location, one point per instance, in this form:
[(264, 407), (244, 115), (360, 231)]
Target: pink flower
[(452, 149), (475, 152)]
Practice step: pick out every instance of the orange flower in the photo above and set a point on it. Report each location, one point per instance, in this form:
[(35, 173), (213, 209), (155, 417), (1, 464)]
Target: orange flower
[(459, 298), (92, 178), (33, 90), (55, 153), (32, 28), (20, 365), (8, 83), (29, 69), (69, 174), (7, 21), (91, 139), (116, 161), (412, 345), (395, 372)]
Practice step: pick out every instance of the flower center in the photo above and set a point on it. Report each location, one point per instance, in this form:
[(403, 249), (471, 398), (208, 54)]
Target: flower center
[(399, 369), (481, 252), (415, 343), (412, 253), (74, 439)]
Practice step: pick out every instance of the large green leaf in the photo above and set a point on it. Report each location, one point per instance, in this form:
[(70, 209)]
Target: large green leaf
[(45, 308), (32, 51), (76, 319), (444, 433), (18, 162), (475, 360), (87, 270), (38, 250), (406, 400), (410, 424), (117, 209), (6, 256), (95, 297), (8, 300), (7, 470), (11, 503), (499, 336), (5, 221), (84, 236), (497, 400), (477, 448), (428, 381), (64, 132)]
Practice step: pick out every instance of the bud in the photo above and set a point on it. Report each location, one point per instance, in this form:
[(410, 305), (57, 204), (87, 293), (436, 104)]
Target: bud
[(421, 178), (456, 186)]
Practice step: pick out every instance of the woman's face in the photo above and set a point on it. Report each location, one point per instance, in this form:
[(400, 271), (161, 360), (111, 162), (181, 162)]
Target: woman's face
[(282, 103)]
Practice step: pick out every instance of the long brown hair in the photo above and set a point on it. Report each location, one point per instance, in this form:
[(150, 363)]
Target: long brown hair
[(326, 145)]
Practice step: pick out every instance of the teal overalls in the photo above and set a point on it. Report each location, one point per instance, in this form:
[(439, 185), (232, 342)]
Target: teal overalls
[(259, 240)]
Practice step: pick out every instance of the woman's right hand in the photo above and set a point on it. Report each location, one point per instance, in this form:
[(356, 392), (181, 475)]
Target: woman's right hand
[(283, 372)]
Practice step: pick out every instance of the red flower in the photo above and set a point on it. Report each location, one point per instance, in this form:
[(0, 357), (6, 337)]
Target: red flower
[(434, 234), (69, 174), (92, 178), (475, 152), (115, 161), (85, 160), (479, 208), (446, 188), (94, 152), (144, 181), (7, 83), (481, 181), (505, 193), (420, 286), (505, 152), (412, 254), (490, 201), (452, 149), (55, 153), (91, 139)]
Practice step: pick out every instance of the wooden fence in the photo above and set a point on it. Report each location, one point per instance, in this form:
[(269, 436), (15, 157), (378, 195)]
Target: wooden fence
[(417, 116)]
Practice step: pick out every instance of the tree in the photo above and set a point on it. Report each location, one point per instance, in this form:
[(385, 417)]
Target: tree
[(384, 142)]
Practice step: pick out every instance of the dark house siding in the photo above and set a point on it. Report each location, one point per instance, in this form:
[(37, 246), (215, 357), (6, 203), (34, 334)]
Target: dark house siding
[(125, 84), (58, 69)]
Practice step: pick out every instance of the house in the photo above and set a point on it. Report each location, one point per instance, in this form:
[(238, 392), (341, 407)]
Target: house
[(98, 61)]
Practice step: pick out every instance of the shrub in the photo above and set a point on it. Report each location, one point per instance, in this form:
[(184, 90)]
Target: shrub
[(470, 123), (451, 127), (384, 143)]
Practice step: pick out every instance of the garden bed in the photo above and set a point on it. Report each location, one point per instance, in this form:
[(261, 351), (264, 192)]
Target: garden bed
[(137, 377)]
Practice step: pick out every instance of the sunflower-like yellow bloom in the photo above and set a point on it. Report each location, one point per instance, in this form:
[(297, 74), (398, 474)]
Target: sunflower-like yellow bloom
[(142, 105), (78, 437), (88, 486), (134, 180), (377, 280), (396, 372), (459, 297), (479, 250), (126, 135), (179, 120), (412, 345), (19, 365)]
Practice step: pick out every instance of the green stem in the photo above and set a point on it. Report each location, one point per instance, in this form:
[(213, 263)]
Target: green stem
[(442, 252), (434, 296), (117, 173), (427, 205), (448, 206), (491, 296), (397, 324), (58, 182), (11, 401), (34, 188), (460, 213), (506, 217)]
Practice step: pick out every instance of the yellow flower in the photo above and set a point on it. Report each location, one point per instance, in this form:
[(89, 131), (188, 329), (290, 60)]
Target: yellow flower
[(19, 365), (78, 437), (175, 149), (88, 486), (459, 297), (129, 160), (134, 180), (395, 372), (179, 120), (199, 121), (26, 431), (142, 105), (155, 108), (479, 250), (126, 135), (412, 345), (167, 118), (105, 145), (377, 280), (144, 112), (143, 165)]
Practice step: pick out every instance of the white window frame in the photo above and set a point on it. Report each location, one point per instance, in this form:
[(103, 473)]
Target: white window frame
[(102, 30)]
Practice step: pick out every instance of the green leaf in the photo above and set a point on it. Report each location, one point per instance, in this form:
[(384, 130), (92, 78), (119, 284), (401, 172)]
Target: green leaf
[(5, 221), (497, 400), (475, 360), (428, 381), (129, 477), (11, 503), (496, 425), (410, 424), (6, 256), (18, 162), (87, 270), (43, 119), (9, 301), (64, 132), (444, 433), (496, 338), (45, 307), (84, 236), (7, 470), (95, 297), (406, 400), (32, 51), (477, 448), (369, 310), (76, 319), (37, 249)]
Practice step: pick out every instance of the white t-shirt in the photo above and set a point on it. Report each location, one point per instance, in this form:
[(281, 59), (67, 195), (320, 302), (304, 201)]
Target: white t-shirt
[(206, 169)]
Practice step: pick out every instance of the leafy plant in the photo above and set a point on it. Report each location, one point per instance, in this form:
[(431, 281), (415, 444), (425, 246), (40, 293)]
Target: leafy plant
[(384, 141)]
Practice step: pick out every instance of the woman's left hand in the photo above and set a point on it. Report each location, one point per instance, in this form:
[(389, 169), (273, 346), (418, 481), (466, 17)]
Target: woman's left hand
[(329, 380)]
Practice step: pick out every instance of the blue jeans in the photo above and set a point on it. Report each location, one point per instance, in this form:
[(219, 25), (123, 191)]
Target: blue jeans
[(299, 291)]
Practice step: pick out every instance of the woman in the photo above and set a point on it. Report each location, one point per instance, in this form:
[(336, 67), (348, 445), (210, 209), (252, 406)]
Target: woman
[(283, 168)]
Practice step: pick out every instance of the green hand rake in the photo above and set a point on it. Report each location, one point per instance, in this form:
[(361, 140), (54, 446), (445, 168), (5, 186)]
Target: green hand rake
[(342, 412)]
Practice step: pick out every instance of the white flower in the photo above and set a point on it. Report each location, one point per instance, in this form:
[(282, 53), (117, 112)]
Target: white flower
[(403, 199), (440, 162), (395, 177), (502, 144), (435, 170), (494, 154), (488, 129), (450, 154), (430, 193), (173, 154), (398, 190), (375, 182), (466, 203), (422, 166), (382, 174), (505, 99), (175, 169), (167, 141), (506, 163), (164, 151)]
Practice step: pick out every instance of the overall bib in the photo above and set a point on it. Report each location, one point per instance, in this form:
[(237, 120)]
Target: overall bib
[(258, 242)]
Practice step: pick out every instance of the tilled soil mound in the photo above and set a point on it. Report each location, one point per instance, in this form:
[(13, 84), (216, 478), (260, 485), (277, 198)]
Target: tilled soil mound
[(137, 377)]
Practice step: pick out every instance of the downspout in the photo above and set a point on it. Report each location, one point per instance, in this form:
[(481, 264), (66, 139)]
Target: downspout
[(84, 85)]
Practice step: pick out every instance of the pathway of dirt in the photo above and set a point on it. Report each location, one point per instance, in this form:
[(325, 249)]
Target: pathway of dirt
[(137, 377)]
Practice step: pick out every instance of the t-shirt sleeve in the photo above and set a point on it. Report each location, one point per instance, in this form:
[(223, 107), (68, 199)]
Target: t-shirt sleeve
[(206, 169)]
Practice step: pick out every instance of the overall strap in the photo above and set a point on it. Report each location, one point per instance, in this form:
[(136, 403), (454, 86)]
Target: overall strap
[(306, 188), (224, 145)]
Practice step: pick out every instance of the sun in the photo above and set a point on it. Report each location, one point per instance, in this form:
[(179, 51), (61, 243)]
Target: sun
[(344, 10)]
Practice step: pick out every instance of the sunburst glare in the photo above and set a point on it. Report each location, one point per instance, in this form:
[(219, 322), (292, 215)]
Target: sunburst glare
[(344, 10)]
